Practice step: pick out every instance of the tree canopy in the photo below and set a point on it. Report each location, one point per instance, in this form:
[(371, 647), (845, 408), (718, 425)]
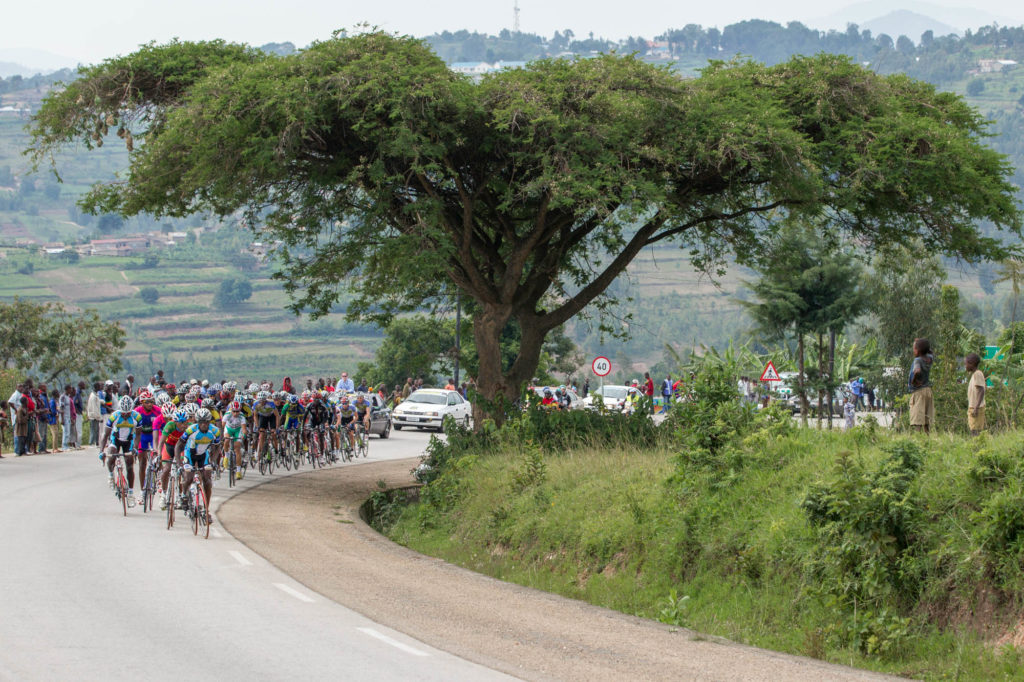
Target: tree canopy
[(531, 189)]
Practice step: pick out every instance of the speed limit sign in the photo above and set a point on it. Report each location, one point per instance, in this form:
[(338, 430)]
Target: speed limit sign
[(602, 366)]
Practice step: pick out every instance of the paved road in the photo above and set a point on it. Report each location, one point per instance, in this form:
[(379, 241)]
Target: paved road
[(89, 594)]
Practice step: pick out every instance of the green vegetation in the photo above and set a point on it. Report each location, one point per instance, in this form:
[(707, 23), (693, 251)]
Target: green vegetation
[(530, 191), (863, 547)]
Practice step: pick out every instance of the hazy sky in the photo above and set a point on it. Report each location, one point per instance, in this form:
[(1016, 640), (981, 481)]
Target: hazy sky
[(91, 31)]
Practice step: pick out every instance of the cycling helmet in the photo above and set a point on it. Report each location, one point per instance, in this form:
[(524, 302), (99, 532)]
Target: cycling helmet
[(144, 396), (168, 411), (194, 382), (547, 390), (305, 396), (215, 387), (191, 409), (265, 386), (126, 404), (292, 398), (183, 389), (181, 415), (207, 403), (170, 388), (344, 399), (263, 395), (203, 415), (236, 406), (162, 399)]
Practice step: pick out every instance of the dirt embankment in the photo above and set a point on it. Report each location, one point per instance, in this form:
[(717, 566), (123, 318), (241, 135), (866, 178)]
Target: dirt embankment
[(309, 526)]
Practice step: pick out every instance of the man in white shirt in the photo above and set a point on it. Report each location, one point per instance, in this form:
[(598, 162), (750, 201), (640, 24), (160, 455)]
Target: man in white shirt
[(14, 402), (345, 384)]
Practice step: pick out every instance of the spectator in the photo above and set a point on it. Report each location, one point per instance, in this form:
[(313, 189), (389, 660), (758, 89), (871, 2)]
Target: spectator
[(52, 422), (649, 388), (3, 426), (286, 385), (975, 394), (30, 405), (21, 428), (345, 384), (666, 392), (450, 386), (856, 388), (849, 411), (586, 388), (407, 389), (13, 403), (129, 385), (42, 419), (67, 416), (107, 398), (922, 405), (80, 400), (362, 388), (869, 395), (94, 413)]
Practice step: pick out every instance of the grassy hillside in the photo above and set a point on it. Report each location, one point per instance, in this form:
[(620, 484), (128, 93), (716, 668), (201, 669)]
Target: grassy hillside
[(899, 555)]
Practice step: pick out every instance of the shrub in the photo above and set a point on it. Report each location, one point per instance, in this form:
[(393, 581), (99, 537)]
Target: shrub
[(149, 295)]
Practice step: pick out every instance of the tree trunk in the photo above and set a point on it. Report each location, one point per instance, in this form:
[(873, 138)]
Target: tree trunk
[(804, 405), (497, 387), (821, 375), (830, 386)]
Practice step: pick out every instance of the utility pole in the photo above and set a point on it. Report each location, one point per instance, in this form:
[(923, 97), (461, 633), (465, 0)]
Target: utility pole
[(515, 17), (458, 335)]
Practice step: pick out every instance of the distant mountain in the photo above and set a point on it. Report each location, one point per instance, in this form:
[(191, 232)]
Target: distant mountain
[(29, 62), (959, 18), (907, 23)]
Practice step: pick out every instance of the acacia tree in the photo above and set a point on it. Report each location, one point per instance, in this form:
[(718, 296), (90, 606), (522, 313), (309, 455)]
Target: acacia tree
[(531, 189)]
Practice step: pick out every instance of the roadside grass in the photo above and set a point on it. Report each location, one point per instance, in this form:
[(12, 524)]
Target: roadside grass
[(730, 551)]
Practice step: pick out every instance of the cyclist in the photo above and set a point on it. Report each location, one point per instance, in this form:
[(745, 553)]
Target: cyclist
[(549, 402), (118, 438), (174, 429), (318, 416), (346, 421), (292, 414), (235, 428), (198, 448), (363, 413), (148, 413), (267, 419)]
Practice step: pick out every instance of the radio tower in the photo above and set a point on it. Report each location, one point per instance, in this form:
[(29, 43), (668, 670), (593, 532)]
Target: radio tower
[(515, 17)]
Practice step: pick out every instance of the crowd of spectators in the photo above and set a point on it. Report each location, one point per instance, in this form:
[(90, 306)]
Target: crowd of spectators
[(45, 419)]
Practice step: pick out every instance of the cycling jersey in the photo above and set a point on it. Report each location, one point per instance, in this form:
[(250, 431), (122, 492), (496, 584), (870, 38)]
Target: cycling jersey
[(317, 414), (264, 408), (346, 415), (292, 414), (198, 442), (122, 425), (232, 421)]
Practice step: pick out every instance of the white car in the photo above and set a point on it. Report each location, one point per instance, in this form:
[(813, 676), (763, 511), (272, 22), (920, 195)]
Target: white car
[(614, 397), (427, 408)]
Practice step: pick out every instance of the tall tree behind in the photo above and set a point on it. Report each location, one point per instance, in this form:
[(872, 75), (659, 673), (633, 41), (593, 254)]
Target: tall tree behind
[(807, 286), (903, 292)]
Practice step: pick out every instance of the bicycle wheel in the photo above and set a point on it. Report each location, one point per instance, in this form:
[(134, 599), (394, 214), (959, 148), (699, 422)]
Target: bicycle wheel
[(122, 491), (364, 443), (195, 511), (202, 513), (171, 485), (263, 466)]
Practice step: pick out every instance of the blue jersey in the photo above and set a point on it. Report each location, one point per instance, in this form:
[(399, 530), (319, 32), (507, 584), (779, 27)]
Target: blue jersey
[(122, 424), (199, 442)]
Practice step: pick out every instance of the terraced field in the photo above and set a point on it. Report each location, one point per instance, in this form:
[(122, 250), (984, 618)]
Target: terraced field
[(186, 331)]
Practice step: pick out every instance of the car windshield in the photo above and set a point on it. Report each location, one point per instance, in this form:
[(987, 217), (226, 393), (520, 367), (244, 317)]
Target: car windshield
[(429, 398), (614, 392)]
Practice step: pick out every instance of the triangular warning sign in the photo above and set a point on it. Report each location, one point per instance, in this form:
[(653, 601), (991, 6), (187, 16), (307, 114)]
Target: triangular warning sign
[(769, 373)]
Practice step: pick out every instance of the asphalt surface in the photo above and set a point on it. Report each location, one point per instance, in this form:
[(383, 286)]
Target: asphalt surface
[(88, 594)]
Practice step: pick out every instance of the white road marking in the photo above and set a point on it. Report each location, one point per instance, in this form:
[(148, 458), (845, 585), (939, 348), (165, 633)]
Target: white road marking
[(393, 642), (293, 592), (214, 532), (238, 557)]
